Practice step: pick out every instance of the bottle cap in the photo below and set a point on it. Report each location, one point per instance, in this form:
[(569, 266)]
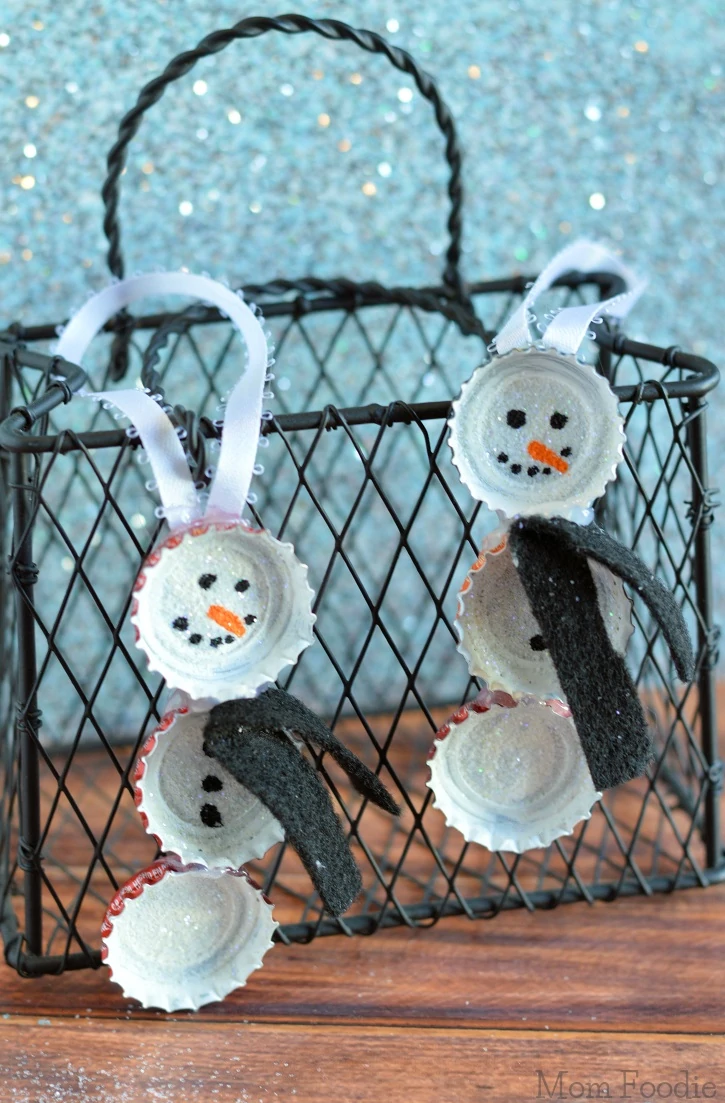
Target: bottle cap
[(500, 638), (177, 936), (220, 609), (509, 772), (536, 432), (192, 805)]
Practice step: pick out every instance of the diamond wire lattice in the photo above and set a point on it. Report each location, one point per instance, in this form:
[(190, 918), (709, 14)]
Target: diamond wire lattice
[(379, 514)]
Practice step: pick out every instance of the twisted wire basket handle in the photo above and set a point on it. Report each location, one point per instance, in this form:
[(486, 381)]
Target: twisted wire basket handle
[(288, 24)]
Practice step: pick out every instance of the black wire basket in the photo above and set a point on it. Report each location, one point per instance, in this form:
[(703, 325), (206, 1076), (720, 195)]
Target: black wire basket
[(358, 476)]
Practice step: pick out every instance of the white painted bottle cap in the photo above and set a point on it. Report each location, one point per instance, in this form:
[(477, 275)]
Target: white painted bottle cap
[(500, 638), (509, 772), (192, 805), (177, 936), (536, 432), (220, 609)]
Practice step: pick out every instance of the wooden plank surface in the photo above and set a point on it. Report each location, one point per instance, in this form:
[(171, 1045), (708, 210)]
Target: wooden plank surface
[(304, 1064)]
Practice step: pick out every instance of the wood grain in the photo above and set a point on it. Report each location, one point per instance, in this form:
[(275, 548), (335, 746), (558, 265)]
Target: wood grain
[(194, 1062)]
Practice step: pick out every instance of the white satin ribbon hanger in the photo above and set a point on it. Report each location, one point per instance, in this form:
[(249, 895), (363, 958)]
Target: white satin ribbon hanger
[(230, 486), (570, 325)]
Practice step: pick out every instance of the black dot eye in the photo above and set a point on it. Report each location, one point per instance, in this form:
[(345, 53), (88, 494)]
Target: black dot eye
[(250, 618), (516, 418), (207, 580), (181, 624), (212, 784), (537, 643), (502, 457), (557, 420), (242, 586), (566, 451)]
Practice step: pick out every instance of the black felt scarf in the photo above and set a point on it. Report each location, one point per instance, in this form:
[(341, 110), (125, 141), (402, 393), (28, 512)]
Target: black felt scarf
[(250, 738), (551, 559)]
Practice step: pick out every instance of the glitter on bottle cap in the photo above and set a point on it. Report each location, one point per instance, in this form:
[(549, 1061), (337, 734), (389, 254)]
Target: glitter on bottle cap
[(500, 638), (191, 805), (177, 936), (509, 773), (220, 609), (536, 432)]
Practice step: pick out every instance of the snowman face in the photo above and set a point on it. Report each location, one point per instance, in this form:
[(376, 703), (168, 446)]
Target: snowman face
[(532, 441), (220, 609), (535, 432), (221, 624)]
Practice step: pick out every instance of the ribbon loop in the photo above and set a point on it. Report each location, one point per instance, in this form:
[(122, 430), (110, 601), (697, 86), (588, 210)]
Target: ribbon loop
[(230, 486), (570, 325)]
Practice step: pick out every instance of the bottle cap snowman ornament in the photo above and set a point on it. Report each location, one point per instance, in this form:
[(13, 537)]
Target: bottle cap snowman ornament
[(220, 607), (536, 434)]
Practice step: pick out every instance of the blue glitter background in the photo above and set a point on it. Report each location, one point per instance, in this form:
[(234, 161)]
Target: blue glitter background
[(288, 157)]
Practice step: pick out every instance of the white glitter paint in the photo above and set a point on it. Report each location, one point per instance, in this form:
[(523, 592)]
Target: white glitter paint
[(497, 460), (189, 939), (512, 778), (206, 578)]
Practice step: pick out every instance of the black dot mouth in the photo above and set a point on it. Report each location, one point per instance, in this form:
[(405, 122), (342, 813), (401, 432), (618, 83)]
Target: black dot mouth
[(216, 641), (537, 643), (516, 468)]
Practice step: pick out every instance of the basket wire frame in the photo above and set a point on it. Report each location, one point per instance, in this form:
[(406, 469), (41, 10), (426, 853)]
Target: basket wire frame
[(331, 478), (363, 484)]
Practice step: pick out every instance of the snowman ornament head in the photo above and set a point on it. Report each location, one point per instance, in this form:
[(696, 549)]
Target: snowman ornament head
[(537, 431), (219, 606)]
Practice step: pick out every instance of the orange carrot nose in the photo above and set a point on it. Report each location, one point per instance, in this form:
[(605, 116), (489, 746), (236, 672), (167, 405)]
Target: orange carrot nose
[(540, 452), (226, 619)]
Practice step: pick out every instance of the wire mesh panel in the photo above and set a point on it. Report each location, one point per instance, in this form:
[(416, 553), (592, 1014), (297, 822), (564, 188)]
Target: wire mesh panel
[(372, 502)]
